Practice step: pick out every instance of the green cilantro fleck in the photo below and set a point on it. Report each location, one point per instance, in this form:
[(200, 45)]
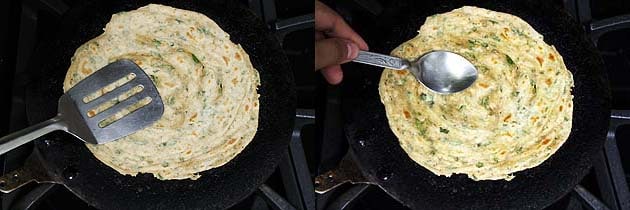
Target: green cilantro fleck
[(444, 130), (421, 128), (427, 98), (509, 60), (156, 42), (195, 59), (533, 84), (472, 43), (155, 79), (479, 164), (484, 102), (519, 32), (203, 31)]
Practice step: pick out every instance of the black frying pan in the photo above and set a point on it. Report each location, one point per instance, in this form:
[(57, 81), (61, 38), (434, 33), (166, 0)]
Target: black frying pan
[(67, 161), (379, 156)]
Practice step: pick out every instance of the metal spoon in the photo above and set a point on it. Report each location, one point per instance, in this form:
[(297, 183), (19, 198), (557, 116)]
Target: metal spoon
[(441, 71)]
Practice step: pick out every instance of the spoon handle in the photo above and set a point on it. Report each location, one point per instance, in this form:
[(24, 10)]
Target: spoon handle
[(381, 60)]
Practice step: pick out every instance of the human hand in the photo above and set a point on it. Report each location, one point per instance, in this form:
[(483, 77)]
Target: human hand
[(335, 43)]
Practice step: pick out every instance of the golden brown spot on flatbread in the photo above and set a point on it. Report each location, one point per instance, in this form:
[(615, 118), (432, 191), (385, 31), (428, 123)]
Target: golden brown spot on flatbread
[(234, 81), (246, 107), (552, 57), (401, 72), (407, 114), (86, 71), (548, 81), (560, 108), (91, 113), (539, 59), (506, 118), (193, 117), (231, 141), (483, 85), (237, 56), (226, 59), (534, 118), (169, 84), (545, 141), (504, 36), (189, 35)]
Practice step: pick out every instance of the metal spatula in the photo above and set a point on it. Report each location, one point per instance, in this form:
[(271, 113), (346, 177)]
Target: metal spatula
[(113, 102)]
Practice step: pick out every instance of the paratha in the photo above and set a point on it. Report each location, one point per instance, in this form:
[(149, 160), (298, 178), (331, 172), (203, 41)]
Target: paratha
[(207, 83), (515, 116)]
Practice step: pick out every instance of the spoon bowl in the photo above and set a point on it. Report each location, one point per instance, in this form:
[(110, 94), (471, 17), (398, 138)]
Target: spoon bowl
[(444, 72)]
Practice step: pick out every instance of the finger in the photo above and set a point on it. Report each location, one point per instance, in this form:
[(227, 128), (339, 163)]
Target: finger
[(333, 25), (334, 51), (319, 36), (333, 74)]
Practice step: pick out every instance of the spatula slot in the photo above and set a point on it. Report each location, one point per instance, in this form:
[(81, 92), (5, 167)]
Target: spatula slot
[(108, 104), (109, 88), (124, 112)]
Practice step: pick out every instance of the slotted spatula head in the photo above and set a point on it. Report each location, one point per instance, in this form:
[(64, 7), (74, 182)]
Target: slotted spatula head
[(113, 102)]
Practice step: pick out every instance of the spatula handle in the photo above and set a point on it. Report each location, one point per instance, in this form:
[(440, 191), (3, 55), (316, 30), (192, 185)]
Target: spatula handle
[(18, 138)]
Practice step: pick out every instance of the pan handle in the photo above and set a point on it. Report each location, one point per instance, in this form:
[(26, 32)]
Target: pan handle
[(32, 170), (346, 171), (18, 138)]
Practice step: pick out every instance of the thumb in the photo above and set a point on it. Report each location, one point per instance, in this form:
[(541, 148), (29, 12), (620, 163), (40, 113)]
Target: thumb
[(334, 51)]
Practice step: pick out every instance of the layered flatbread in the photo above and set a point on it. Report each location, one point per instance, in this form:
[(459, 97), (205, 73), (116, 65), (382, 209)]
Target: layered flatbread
[(515, 116), (207, 83)]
